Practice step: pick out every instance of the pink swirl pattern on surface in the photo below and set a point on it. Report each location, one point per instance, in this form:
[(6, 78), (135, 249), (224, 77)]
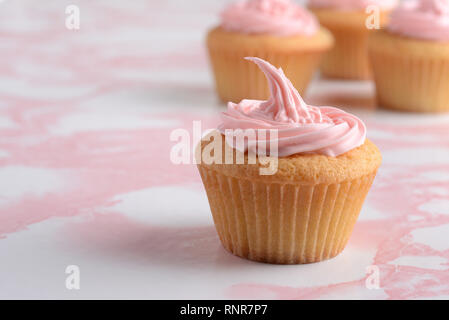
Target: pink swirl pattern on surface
[(410, 194), (422, 19), (301, 128), (274, 17), (352, 4)]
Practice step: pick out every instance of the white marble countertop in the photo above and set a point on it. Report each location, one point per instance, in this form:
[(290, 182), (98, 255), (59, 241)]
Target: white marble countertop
[(86, 181)]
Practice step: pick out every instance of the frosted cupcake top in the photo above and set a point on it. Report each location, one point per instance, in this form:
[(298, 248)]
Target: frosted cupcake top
[(353, 4), (422, 19), (301, 128), (274, 17)]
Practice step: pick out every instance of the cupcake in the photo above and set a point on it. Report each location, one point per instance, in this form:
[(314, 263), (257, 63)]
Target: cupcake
[(410, 58), (347, 20), (304, 209), (277, 30)]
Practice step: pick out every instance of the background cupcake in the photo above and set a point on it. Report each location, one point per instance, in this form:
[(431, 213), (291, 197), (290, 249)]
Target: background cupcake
[(411, 58), (279, 31), (346, 19), (304, 212)]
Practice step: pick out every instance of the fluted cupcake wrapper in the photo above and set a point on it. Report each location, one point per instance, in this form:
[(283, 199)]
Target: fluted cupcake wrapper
[(283, 223), (348, 59), (411, 82), (236, 79)]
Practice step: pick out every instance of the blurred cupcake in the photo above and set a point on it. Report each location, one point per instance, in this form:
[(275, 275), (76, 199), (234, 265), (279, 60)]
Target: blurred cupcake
[(306, 209), (410, 58), (347, 19), (277, 30)]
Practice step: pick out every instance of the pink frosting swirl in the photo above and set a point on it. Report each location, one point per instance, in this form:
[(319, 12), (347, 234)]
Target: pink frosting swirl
[(275, 17), (352, 4), (301, 128), (423, 19)]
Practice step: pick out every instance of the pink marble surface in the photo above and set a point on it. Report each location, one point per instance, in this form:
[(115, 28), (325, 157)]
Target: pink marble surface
[(86, 180)]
